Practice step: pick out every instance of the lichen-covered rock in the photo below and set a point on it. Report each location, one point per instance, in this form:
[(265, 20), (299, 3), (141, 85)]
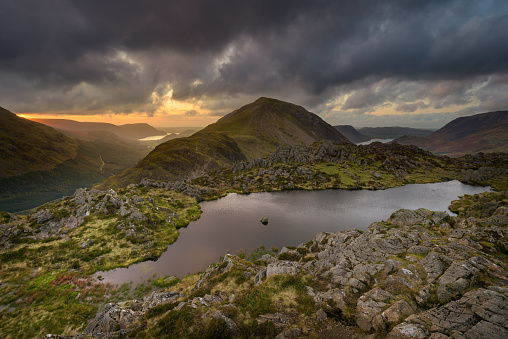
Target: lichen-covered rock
[(434, 265), (230, 323), (408, 331), (41, 216), (399, 310), (454, 280), (369, 307), (282, 267), (159, 298), (476, 306)]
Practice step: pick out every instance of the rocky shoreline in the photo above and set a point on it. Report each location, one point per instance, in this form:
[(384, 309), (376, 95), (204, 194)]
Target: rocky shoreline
[(419, 274)]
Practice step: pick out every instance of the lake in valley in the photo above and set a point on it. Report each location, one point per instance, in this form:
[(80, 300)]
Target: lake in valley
[(232, 224)]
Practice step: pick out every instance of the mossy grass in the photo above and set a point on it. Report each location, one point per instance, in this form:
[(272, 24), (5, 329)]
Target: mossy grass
[(48, 284)]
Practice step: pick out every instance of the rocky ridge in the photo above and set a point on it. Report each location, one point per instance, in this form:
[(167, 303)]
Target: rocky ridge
[(334, 165), (419, 274)]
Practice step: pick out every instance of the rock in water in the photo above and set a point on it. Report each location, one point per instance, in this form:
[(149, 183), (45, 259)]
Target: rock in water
[(264, 220)]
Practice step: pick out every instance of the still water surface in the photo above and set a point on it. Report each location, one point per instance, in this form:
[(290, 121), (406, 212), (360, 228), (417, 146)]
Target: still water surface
[(232, 223)]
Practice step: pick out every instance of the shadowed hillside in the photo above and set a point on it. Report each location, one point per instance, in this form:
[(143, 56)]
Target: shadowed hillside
[(27, 146), (486, 132), (351, 133), (253, 131), (182, 157)]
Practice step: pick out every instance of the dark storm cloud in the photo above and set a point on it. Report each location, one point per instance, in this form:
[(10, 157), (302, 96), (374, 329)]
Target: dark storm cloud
[(95, 55), (408, 108)]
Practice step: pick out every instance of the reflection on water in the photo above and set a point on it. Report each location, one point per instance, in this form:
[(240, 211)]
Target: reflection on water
[(154, 138), (232, 223)]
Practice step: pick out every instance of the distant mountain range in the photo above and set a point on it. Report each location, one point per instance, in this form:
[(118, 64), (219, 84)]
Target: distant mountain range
[(252, 131), (368, 133), (127, 131), (392, 132), (486, 132)]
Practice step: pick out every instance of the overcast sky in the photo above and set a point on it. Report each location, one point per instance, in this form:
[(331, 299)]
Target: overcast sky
[(188, 62)]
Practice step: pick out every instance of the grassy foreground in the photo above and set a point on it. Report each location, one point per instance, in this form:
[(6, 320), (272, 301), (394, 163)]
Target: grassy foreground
[(46, 283)]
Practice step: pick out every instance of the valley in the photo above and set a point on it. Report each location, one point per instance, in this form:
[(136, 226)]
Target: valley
[(41, 164)]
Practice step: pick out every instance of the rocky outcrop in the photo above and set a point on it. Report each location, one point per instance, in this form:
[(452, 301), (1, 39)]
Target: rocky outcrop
[(73, 211), (117, 320), (179, 186), (412, 262)]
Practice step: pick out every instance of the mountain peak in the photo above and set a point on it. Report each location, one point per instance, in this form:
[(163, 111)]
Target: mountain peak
[(277, 123)]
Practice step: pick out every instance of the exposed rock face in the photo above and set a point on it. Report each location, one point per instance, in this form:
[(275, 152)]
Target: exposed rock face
[(179, 186), (287, 167), (282, 267), (451, 266), (230, 323), (125, 316), (481, 313), (41, 216)]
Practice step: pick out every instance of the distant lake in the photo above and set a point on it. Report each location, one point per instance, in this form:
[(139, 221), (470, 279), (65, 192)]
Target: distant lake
[(154, 138), (232, 223)]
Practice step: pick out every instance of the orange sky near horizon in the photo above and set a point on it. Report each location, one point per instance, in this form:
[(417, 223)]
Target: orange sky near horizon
[(121, 119)]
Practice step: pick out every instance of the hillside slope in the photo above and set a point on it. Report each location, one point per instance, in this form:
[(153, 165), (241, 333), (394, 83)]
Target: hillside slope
[(27, 146), (180, 158), (486, 132), (253, 131), (351, 133), (262, 126)]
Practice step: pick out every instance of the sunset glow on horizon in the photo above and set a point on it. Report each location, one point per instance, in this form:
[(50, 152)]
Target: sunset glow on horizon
[(155, 121)]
